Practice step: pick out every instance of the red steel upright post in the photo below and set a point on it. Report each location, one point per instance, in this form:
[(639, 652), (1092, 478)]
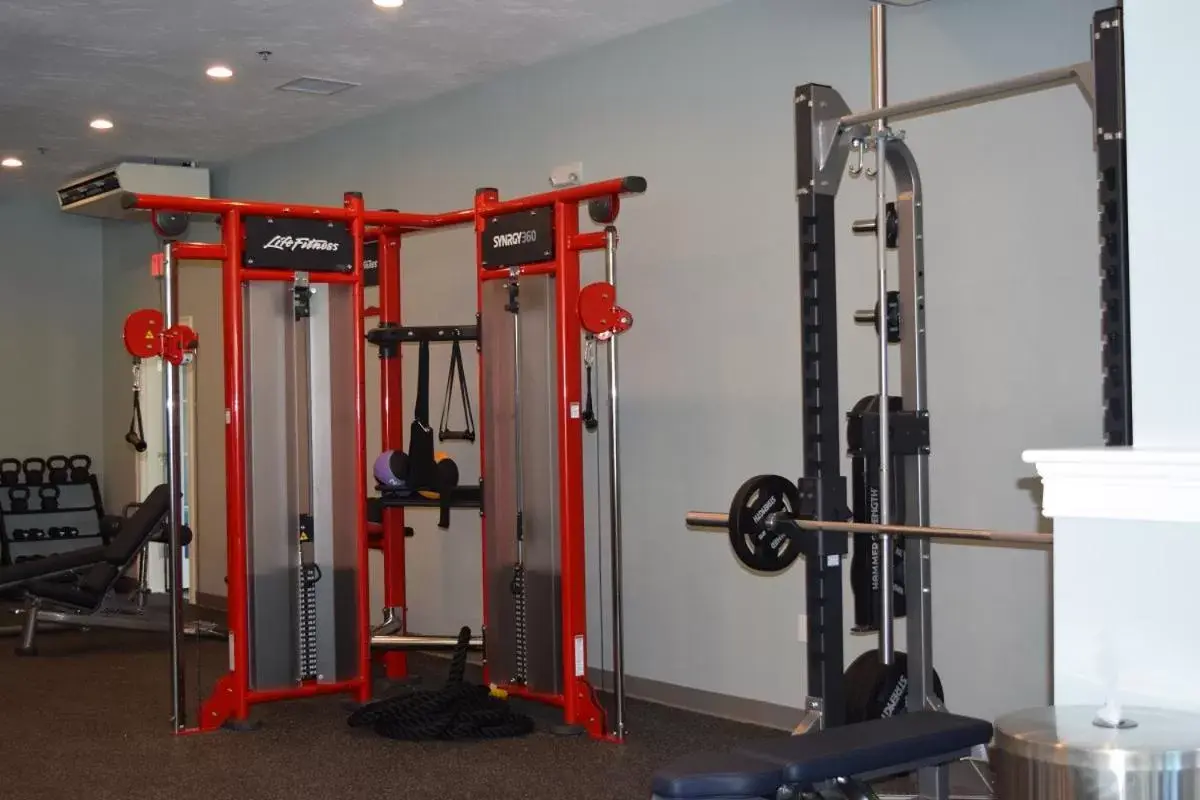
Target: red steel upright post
[(235, 467), (579, 703), (391, 407), (483, 197), (354, 203)]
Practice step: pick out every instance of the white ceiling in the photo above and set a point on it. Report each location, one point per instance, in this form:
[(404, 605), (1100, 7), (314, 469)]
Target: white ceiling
[(141, 63)]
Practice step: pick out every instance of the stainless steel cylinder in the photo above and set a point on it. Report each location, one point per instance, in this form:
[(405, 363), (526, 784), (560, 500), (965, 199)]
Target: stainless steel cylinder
[(174, 436), (1062, 754), (614, 503), (887, 599), (397, 641)]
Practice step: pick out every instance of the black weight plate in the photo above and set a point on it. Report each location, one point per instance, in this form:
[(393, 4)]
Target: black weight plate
[(859, 683), (756, 547), (874, 691)]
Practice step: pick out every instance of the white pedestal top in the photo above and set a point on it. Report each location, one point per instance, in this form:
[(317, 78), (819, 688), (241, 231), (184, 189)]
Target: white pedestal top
[(1151, 484)]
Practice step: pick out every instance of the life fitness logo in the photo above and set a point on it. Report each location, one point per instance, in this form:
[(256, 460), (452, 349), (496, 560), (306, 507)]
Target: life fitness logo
[(514, 239), (294, 243)]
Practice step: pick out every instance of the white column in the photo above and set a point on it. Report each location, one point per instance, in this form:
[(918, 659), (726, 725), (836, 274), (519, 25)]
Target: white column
[(1127, 520), (1126, 574), (1162, 60)]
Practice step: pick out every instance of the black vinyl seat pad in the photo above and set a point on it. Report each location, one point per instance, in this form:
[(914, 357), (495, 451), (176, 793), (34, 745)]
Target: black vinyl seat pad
[(103, 565), (757, 769)]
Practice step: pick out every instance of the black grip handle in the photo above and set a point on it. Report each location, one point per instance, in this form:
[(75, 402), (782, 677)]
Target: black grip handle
[(456, 436)]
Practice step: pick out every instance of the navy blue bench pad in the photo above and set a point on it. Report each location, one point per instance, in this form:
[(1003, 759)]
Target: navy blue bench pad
[(717, 776), (872, 747)]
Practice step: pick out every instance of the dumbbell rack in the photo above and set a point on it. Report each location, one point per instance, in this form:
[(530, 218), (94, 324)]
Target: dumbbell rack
[(79, 506)]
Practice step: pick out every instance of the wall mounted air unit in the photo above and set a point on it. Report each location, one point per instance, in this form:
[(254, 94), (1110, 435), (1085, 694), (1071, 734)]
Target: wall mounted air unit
[(99, 193)]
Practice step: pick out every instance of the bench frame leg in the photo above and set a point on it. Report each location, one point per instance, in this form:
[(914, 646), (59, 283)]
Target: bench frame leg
[(28, 646)]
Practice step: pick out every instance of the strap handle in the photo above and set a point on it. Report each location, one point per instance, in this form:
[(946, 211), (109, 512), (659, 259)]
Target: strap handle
[(457, 369), (589, 360), (136, 436)]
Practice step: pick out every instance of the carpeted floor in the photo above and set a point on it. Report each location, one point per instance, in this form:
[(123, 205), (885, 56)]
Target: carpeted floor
[(89, 718)]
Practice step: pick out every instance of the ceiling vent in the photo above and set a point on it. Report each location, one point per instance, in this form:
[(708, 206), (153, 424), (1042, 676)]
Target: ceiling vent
[(99, 194), (316, 86)]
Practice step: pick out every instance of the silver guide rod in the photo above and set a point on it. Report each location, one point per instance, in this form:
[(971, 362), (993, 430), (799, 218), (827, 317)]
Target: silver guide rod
[(887, 644), (174, 425), (973, 95), (719, 520), (399, 641), (614, 500)]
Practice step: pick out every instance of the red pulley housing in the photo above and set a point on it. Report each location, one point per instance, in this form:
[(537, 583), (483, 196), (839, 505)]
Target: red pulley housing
[(178, 342), (145, 337), (599, 313), (143, 333)]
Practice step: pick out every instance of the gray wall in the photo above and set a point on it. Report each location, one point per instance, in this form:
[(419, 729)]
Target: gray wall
[(127, 287), (50, 325), (711, 392)]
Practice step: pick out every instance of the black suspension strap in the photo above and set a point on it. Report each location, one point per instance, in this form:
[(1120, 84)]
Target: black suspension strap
[(137, 432), (457, 370), (457, 711), (421, 470), (589, 362)]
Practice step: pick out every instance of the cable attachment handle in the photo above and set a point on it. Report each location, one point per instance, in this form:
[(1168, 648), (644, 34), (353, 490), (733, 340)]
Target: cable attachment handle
[(590, 422), (457, 371), (136, 435)]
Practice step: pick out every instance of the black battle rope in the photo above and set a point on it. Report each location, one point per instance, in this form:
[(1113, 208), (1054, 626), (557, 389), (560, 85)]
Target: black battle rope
[(456, 370), (457, 711)]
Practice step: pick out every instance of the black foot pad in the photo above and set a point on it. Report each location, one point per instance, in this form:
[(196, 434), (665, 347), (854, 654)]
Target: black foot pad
[(26, 652), (567, 730), (242, 725)]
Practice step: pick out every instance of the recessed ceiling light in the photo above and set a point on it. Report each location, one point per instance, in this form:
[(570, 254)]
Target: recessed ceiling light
[(219, 71), (389, 3), (101, 124), (11, 162)]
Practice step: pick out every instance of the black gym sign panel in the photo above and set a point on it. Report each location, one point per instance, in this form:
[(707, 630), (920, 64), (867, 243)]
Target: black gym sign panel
[(371, 263), (301, 245), (513, 240)]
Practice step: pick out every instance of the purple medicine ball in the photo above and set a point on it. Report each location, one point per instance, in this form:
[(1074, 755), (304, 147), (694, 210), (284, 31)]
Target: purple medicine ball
[(391, 469)]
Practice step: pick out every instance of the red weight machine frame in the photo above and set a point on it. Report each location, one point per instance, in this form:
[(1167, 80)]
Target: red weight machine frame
[(578, 700), (233, 697)]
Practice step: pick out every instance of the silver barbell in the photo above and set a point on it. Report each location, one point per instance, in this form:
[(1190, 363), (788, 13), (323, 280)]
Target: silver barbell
[(717, 520)]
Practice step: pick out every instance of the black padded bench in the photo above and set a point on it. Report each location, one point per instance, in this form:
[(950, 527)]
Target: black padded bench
[(864, 751), (90, 571)]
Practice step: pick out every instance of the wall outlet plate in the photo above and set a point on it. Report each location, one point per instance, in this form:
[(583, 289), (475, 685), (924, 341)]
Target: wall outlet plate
[(567, 175)]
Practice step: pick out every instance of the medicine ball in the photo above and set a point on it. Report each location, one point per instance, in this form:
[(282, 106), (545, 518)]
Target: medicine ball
[(391, 470), (874, 691), (446, 475)]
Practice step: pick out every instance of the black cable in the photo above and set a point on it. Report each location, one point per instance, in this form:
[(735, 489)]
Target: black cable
[(457, 711)]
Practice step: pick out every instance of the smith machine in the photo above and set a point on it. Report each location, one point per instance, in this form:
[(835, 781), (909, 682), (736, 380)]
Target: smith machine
[(772, 520), (295, 438)]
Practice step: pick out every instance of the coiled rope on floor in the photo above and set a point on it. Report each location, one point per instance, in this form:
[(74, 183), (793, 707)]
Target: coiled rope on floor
[(457, 711)]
